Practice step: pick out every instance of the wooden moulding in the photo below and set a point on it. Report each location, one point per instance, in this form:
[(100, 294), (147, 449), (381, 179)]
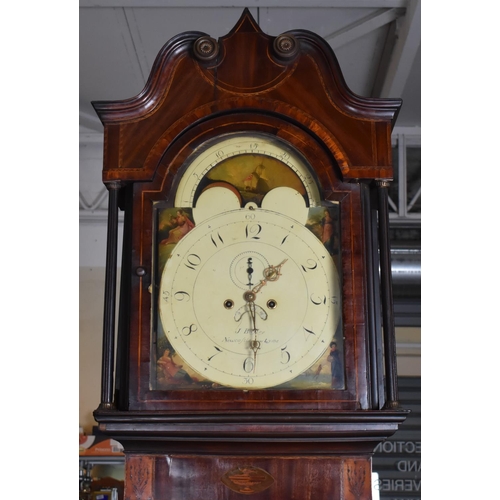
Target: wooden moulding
[(307, 88)]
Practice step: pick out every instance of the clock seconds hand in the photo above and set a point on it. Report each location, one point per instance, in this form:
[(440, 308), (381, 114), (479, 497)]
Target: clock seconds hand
[(249, 272)]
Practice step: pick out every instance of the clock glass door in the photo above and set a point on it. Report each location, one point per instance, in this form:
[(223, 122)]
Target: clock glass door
[(247, 278)]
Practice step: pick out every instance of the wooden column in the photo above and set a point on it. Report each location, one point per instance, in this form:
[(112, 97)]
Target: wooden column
[(108, 342), (387, 300)]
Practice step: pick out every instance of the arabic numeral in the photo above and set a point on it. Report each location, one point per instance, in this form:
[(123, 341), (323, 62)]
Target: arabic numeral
[(252, 231), (165, 295), (307, 332), (216, 239), (317, 300), (188, 330), (248, 365), (220, 154), (310, 265), (193, 261), (182, 296), (285, 356), (213, 355)]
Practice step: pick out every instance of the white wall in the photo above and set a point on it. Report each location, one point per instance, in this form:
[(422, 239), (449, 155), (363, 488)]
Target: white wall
[(93, 237), (91, 322)]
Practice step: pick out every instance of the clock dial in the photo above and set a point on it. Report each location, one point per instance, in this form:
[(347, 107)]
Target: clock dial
[(249, 294), (252, 163), (249, 299)]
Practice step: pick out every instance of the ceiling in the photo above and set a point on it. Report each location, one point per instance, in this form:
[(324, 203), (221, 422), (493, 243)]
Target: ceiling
[(377, 42)]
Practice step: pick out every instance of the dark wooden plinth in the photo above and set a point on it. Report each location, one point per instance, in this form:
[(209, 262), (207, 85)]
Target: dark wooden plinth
[(188, 477), (271, 456)]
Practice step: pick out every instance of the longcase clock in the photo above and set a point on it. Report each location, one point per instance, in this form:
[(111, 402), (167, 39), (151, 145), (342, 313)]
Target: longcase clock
[(250, 358)]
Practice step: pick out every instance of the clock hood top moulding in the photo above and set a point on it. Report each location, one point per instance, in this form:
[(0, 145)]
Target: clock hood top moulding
[(291, 76)]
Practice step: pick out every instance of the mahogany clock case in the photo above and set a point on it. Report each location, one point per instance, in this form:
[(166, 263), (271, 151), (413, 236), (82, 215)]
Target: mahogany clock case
[(249, 84), (143, 198)]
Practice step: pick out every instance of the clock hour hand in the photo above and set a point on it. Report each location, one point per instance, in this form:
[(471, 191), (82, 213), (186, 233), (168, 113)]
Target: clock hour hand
[(271, 273), (254, 344)]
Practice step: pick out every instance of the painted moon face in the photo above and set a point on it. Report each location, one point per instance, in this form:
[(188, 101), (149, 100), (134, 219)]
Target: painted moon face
[(253, 164)]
